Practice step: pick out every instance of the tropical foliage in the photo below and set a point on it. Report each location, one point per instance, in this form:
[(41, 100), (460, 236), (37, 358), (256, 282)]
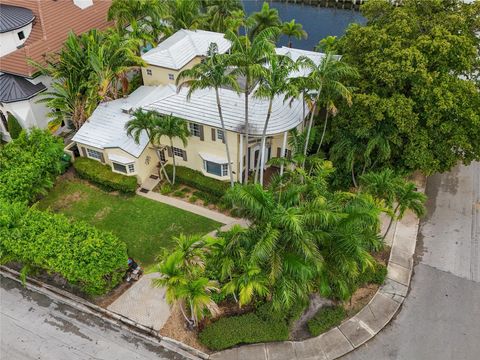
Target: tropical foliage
[(293, 29)]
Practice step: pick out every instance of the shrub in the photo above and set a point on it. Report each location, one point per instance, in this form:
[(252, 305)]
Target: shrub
[(179, 193), (376, 275), (104, 176), (325, 319), (92, 259), (199, 181), (29, 165), (14, 127), (193, 199), (207, 198), (166, 189), (244, 329)]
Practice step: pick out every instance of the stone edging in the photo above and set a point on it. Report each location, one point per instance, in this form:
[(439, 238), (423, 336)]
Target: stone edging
[(85, 306), (360, 328)]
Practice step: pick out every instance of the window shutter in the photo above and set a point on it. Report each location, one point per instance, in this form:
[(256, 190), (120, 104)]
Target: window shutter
[(279, 152), (84, 151), (169, 151), (224, 135), (213, 134), (102, 158), (201, 133), (184, 155)]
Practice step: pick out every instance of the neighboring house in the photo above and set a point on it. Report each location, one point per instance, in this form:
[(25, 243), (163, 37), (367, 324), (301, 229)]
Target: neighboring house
[(205, 151), (31, 29)]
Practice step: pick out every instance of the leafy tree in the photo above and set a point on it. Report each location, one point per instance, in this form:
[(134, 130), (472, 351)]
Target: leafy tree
[(145, 123), (293, 29), (171, 127), (264, 19), (211, 73), (14, 128), (220, 11), (417, 85)]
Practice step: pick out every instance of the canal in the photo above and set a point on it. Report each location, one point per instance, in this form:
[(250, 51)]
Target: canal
[(317, 22)]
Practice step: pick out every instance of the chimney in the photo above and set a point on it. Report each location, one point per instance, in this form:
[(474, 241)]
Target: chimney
[(83, 4)]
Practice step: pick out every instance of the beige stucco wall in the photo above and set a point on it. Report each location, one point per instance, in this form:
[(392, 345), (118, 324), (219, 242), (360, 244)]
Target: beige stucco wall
[(160, 74), (144, 165)]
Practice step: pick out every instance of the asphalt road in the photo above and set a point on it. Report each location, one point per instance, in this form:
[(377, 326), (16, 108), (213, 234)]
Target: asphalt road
[(32, 326), (440, 319)]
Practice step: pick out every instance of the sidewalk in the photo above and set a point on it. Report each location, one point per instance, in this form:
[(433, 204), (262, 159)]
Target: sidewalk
[(365, 324)]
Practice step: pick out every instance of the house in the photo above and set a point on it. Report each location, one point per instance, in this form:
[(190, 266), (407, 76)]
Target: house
[(30, 29), (205, 151)]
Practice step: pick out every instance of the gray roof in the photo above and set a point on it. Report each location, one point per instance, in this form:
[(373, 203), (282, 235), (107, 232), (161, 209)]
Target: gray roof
[(16, 88), (14, 17)]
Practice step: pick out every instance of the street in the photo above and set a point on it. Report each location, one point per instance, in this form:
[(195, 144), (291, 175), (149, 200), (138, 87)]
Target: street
[(32, 326), (440, 318)]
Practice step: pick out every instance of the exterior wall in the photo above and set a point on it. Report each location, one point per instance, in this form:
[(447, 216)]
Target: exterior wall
[(9, 41), (160, 74), (144, 165)]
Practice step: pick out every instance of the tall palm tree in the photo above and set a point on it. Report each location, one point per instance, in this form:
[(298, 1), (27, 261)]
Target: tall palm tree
[(185, 14), (264, 19), (211, 73), (325, 80), (293, 29), (249, 282), (248, 59), (171, 127), (219, 11), (145, 122), (272, 83), (133, 12), (235, 21)]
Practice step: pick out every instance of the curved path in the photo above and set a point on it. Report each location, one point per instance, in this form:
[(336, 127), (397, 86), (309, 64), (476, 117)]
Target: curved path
[(440, 318)]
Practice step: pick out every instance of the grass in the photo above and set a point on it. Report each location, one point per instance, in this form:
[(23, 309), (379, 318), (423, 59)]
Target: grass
[(146, 226)]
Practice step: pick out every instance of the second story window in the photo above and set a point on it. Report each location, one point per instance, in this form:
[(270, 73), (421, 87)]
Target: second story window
[(21, 35), (194, 129), (149, 72), (220, 135), (171, 77), (177, 152)]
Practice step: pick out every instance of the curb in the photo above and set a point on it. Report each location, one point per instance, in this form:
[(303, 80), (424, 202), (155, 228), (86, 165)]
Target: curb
[(113, 318), (363, 326)]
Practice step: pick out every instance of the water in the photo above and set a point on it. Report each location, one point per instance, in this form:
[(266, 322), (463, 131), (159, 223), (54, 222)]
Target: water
[(317, 22)]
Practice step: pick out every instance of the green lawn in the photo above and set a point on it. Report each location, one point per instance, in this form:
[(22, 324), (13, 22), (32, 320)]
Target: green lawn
[(144, 225)]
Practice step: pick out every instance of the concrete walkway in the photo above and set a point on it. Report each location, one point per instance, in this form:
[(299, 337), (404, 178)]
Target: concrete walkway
[(360, 328)]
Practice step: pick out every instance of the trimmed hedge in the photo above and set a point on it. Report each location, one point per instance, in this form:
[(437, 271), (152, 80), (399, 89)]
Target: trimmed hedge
[(14, 127), (92, 259), (198, 181), (104, 176), (244, 329), (325, 319)]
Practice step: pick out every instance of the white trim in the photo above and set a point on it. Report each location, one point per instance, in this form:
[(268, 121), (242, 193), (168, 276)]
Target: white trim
[(120, 159)]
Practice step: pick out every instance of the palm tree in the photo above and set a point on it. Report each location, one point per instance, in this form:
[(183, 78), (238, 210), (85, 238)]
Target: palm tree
[(325, 81), (264, 19), (293, 29), (131, 12), (185, 14), (249, 282), (234, 21), (145, 122), (248, 59), (171, 127), (211, 73), (219, 11), (326, 44), (272, 83)]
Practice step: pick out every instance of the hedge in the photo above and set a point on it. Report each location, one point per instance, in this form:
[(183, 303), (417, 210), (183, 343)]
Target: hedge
[(29, 165), (325, 319), (198, 181), (244, 329), (92, 259), (104, 176), (14, 128)]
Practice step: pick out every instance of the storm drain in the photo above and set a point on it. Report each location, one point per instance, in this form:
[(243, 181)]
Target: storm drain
[(143, 190)]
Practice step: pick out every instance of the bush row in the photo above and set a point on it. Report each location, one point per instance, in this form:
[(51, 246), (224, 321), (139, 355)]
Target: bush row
[(198, 181), (29, 165), (325, 319), (104, 176), (92, 259)]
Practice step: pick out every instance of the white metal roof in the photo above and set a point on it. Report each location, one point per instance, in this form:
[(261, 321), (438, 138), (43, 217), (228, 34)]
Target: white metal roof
[(213, 158), (183, 46), (106, 126)]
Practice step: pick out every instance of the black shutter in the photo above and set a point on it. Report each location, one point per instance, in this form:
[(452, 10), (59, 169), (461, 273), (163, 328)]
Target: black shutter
[(213, 134), (279, 152), (184, 155), (201, 132), (169, 151), (84, 151)]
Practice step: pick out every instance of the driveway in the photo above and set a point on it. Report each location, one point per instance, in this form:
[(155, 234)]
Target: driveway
[(440, 319)]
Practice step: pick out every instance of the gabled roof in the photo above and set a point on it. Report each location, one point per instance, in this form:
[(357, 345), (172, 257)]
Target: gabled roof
[(53, 21), (106, 126), (183, 46), (14, 17), (16, 88)]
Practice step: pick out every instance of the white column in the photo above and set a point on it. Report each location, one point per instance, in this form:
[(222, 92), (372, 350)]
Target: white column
[(284, 146), (239, 176)]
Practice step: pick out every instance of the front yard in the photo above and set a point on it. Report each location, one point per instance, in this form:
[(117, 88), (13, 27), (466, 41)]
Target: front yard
[(146, 226)]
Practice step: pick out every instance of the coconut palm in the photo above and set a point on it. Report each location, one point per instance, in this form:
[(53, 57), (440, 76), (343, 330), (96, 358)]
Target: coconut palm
[(145, 122), (234, 21), (185, 14), (171, 127), (272, 83), (136, 12), (293, 29), (325, 80), (327, 44), (248, 59), (211, 73), (219, 11), (264, 19)]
